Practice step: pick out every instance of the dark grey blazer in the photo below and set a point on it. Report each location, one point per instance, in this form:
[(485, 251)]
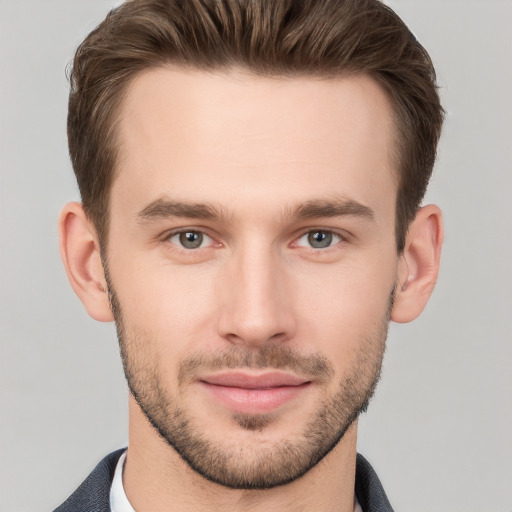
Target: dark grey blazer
[(93, 494)]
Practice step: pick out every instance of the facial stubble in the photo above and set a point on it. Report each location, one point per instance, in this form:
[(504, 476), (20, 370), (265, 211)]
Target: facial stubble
[(260, 466)]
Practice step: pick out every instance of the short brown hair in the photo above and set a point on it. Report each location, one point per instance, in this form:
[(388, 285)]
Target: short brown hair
[(269, 37)]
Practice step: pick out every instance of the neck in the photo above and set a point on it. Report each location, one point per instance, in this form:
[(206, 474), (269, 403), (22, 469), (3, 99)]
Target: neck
[(156, 478)]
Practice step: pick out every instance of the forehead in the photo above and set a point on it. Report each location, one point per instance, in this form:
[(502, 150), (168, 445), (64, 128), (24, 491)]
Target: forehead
[(236, 137)]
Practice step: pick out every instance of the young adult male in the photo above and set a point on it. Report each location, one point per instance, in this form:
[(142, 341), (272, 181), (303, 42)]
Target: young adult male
[(251, 176)]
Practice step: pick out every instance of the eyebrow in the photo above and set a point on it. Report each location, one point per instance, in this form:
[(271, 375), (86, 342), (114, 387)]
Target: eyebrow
[(334, 208), (164, 208)]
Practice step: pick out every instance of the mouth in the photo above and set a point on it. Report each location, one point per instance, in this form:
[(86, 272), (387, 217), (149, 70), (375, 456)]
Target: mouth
[(248, 393)]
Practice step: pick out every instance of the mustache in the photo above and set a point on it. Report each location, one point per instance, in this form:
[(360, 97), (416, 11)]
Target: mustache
[(274, 357)]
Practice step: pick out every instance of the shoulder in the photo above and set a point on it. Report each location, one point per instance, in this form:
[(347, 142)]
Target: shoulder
[(93, 493)]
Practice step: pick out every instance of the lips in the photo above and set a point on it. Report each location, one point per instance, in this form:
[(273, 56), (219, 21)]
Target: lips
[(249, 381), (246, 393)]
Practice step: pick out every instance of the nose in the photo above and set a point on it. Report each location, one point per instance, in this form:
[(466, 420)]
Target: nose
[(255, 300)]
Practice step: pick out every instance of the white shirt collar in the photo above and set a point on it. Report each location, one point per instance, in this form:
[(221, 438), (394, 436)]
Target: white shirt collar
[(118, 500)]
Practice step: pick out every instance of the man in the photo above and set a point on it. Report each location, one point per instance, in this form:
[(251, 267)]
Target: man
[(251, 176)]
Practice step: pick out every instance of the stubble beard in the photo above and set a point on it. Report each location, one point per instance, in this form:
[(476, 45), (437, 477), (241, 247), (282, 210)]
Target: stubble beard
[(257, 466)]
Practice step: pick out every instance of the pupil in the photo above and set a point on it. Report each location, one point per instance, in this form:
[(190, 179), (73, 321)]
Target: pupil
[(191, 239), (320, 239)]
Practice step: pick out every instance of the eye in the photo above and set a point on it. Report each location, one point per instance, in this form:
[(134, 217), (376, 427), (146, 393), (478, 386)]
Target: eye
[(190, 239), (319, 239)]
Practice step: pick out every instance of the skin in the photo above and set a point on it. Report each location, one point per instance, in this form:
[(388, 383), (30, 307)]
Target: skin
[(259, 152)]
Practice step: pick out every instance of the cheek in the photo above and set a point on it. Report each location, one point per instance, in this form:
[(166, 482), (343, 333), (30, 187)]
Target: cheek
[(344, 308), (171, 308)]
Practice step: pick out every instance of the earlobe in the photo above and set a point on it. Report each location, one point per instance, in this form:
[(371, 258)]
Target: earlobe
[(419, 264), (80, 253)]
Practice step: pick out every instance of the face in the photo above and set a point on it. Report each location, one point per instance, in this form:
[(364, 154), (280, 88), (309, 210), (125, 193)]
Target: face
[(251, 264)]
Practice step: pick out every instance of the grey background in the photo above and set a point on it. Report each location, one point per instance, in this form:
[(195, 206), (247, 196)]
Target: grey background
[(439, 431)]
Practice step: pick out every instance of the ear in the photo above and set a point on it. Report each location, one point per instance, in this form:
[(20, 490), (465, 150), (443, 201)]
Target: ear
[(80, 252), (419, 264)]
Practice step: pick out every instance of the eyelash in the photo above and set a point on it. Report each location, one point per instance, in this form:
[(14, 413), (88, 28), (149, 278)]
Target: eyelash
[(333, 238), (181, 232)]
